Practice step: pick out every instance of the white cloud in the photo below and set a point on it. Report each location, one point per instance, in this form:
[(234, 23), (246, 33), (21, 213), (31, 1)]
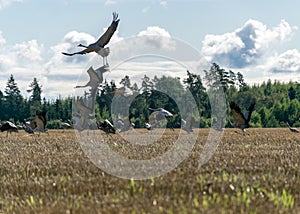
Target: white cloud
[(246, 45), (5, 3), (287, 62)]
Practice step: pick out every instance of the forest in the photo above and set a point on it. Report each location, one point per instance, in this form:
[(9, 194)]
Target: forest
[(276, 102)]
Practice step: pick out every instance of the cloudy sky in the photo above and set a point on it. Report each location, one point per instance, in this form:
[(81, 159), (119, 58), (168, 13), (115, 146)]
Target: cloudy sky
[(261, 39)]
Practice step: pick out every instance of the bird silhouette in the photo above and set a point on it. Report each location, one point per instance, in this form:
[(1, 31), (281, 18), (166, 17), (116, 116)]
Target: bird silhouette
[(39, 122), (99, 45), (292, 129), (241, 120)]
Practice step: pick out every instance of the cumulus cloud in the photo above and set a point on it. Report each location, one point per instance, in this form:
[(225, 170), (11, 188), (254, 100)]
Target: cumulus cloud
[(246, 45), (156, 37), (2, 40), (287, 62)]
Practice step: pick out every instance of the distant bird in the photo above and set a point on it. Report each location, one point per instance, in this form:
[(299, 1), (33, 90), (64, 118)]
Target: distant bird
[(27, 128), (66, 125), (8, 127), (147, 125), (94, 79), (188, 124), (106, 126), (99, 45), (124, 91), (241, 120), (39, 122), (292, 129)]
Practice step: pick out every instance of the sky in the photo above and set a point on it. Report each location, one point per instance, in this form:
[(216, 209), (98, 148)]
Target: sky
[(260, 39)]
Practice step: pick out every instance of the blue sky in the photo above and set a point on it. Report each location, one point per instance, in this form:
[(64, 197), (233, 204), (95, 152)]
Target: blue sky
[(258, 38)]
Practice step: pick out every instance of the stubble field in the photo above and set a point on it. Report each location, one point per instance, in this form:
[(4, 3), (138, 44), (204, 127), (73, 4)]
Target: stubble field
[(256, 173)]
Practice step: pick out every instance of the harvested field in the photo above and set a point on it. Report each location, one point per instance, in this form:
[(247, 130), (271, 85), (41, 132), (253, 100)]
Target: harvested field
[(256, 173)]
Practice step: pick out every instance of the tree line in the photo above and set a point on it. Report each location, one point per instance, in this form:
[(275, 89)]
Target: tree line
[(276, 102)]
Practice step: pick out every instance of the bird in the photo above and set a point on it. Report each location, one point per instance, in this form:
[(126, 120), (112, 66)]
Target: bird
[(65, 125), (100, 71), (106, 126), (39, 122), (292, 129), (99, 45), (9, 127), (124, 91), (84, 113), (158, 115), (27, 128), (147, 125), (94, 79), (188, 124), (241, 120)]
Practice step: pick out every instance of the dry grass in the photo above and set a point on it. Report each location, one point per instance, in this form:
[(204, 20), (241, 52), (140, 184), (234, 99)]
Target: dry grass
[(258, 173)]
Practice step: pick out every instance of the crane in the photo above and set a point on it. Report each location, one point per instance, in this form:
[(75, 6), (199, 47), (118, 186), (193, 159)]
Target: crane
[(241, 120), (292, 129), (9, 127), (99, 45)]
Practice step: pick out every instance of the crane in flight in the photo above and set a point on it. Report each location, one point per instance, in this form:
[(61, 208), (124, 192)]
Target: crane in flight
[(241, 120), (99, 45)]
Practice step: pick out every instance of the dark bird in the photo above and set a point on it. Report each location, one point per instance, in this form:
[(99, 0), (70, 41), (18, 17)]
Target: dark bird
[(39, 122), (27, 127), (8, 127), (241, 120), (292, 129), (107, 127), (99, 45)]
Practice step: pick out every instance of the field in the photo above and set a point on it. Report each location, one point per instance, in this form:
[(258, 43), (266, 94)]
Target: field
[(255, 173)]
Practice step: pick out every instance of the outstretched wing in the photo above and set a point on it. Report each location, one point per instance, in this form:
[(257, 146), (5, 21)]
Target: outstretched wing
[(85, 51), (105, 38), (237, 114), (248, 113), (93, 75)]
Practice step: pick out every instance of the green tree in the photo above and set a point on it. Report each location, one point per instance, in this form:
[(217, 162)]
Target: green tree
[(13, 101)]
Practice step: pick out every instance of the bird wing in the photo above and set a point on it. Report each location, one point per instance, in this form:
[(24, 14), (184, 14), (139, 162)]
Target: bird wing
[(248, 113), (104, 39), (94, 78), (237, 114), (84, 51), (39, 123)]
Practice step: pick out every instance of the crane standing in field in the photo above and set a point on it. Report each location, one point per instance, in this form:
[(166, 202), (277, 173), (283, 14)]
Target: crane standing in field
[(8, 126), (241, 120), (99, 45), (292, 129)]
